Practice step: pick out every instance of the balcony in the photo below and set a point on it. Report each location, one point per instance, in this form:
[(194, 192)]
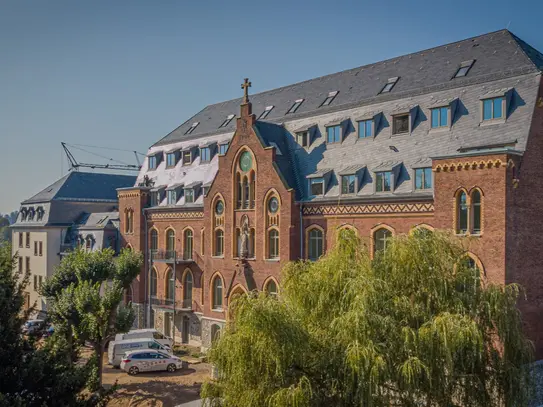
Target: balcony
[(168, 304), (171, 256)]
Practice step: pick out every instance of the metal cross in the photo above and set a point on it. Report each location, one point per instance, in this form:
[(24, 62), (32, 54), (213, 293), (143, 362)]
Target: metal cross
[(245, 86)]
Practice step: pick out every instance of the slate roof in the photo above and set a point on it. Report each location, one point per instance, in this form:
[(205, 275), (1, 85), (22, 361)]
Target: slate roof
[(497, 55), (84, 186)]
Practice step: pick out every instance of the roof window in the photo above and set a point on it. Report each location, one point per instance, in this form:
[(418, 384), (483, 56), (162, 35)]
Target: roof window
[(295, 106), (227, 121), (390, 84), (331, 96), (192, 127), (266, 112), (464, 69)]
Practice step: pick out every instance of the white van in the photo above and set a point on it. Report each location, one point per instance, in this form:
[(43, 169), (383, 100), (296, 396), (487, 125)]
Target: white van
[(146, 333), (117, 349)]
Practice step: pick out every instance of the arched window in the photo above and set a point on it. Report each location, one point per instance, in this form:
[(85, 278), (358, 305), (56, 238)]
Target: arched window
[(252, 188), (170, 285), (203, 242), (154, 282), (271, 288), (246, 192), (154, 242), (251, 243), (219, 242), (187, 289), (239, 191), (238, 242), (215, 332), (217, 293), (129, 221), (461, 213), (380, 238), (170, 244), (187, 253), (315, 244), (273, 244), (422, 231), (476, 212)]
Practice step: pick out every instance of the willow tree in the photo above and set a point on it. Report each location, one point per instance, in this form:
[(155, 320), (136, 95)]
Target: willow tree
[(416, 326)]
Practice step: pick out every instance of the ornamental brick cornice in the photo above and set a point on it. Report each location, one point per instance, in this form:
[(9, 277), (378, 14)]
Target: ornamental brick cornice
[(369, 209), (132, 194), (176, 215), (473, 165)]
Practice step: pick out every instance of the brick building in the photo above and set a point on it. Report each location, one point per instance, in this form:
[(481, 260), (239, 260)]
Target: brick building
[(446, 138)]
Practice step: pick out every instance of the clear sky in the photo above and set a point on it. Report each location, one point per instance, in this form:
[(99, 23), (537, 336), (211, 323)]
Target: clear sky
[(122, 74)]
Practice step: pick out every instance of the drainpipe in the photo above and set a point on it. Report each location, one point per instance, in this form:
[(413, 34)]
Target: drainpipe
[(301, 231), (147, 298), (174, 292)]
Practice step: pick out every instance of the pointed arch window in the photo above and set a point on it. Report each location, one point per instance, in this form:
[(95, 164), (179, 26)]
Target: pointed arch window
[(239, 191), (461, 213), (246, 192), (154, 242), (380, 239), (252, 189), (271, 288), (170, 244), (188, 244), (187, 289), (170, 285), (273, 244), (154, 283), (219, 242), (129, 221), (217, 293), (476, 212), (315, 244)]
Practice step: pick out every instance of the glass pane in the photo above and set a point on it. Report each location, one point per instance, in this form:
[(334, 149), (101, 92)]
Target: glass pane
[(418, 178), (476, 218), (435, 118), (427, 178), (330, 133), (351, 184), (379, 182), (487, 109), (387, 181), (444, 111), (462, 214), (368, 128), (362, 129), (497, 108)]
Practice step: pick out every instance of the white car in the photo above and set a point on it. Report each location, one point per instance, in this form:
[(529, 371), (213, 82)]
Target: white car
[(150, 361)]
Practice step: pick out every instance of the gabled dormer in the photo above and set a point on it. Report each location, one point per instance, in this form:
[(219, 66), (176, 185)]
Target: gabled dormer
[(188, 154), (350, 179), (154, 159), (318, 182), (336, 130), (386, 176), (305, 135), (192, 192), (207, 151), (404, 119), (174, 194), (172, 158), (156, 196)]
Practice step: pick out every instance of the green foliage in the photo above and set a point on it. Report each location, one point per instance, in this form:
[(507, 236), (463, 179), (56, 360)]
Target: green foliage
[(413, 327), (85, 295)]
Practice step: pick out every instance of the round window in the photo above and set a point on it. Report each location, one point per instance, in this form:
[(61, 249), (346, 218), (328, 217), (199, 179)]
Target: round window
[(219, 208), (273, 205), (246, 161)]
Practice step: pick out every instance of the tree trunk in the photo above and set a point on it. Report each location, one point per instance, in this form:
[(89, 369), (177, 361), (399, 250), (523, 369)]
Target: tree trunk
[(99, 352)]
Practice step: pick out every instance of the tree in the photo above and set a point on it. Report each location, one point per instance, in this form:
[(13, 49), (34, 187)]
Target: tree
[(32, 375), (5, 231), (85, 294), (416, 326)]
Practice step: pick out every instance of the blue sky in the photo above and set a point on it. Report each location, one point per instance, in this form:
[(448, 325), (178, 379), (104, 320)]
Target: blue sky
[(123, 74)]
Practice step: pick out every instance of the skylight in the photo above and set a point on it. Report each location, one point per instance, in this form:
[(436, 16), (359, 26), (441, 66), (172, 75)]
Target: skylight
[(295, 106), (227, 120), (330, 98), (464, 69), (266, 112), (192, 127), (389, 85)]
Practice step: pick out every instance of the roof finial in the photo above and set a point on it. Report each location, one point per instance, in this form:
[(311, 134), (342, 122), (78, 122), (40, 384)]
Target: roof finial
[(245, 86)]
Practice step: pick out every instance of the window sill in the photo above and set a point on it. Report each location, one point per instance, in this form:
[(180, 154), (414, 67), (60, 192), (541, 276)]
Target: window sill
[(171, 167), (405, 133), (442, 129), (217, 310), (218, 257), (491, 122), (277, 260)]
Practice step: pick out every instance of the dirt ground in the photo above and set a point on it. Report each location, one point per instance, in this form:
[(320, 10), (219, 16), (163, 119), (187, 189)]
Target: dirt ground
[(156, 389)]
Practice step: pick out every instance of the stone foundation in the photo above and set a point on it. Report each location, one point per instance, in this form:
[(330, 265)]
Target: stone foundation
[(209, 325), (139, 320)]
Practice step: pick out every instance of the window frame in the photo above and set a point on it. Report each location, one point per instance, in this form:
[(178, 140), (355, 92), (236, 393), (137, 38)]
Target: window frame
[(216, 295), (266, 112), (318, 180), (354, 182), (168, 163), (391, 82), (295, 106), (395, 130), (363, 124), (310, 240), (302, 135), (337, 136), (380, 181), (273, 242), (171, 194), (466, 65), (227, 121), (439, 110), (386, 231), (152, 162), (330, 98), (216, 246), (192, 127), (423, 179), (221, 146), (184, 154), (190, 195), (205, 154), (493, 100), (461, 206)]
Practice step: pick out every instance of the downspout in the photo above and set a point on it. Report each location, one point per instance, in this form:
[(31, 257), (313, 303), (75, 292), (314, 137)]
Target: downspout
[(147, 299), (301, 231)]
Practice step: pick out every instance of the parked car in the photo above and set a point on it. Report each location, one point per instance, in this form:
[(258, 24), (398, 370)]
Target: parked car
[(150, 361), (146, 333), (33, 326), (117, 349)]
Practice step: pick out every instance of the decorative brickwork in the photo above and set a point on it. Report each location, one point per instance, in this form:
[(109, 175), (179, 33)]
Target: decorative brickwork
[(369, 209)]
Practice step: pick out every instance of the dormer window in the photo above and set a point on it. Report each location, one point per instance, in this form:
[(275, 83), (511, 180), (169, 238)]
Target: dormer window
[(348, 184), (365, 128), (266, 112), (171, 197), (302, 138), (316, 186), (223, 148), (383, 181), (205, 154), (423, 178), (189, 195), (389, 85), (171, 160), (192, 127), (494, 108), (155, 198), (187, 157), (227, 121), (333, 134), (400, 123), (295, 106), (464, 69), (329, 99), (153, 162), (440, 117)]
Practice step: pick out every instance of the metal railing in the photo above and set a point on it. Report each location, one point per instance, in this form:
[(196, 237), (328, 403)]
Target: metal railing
[(171, 256), (168, 303)]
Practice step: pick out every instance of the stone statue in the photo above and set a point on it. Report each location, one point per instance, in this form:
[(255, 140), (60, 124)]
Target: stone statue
[(244, 246)]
